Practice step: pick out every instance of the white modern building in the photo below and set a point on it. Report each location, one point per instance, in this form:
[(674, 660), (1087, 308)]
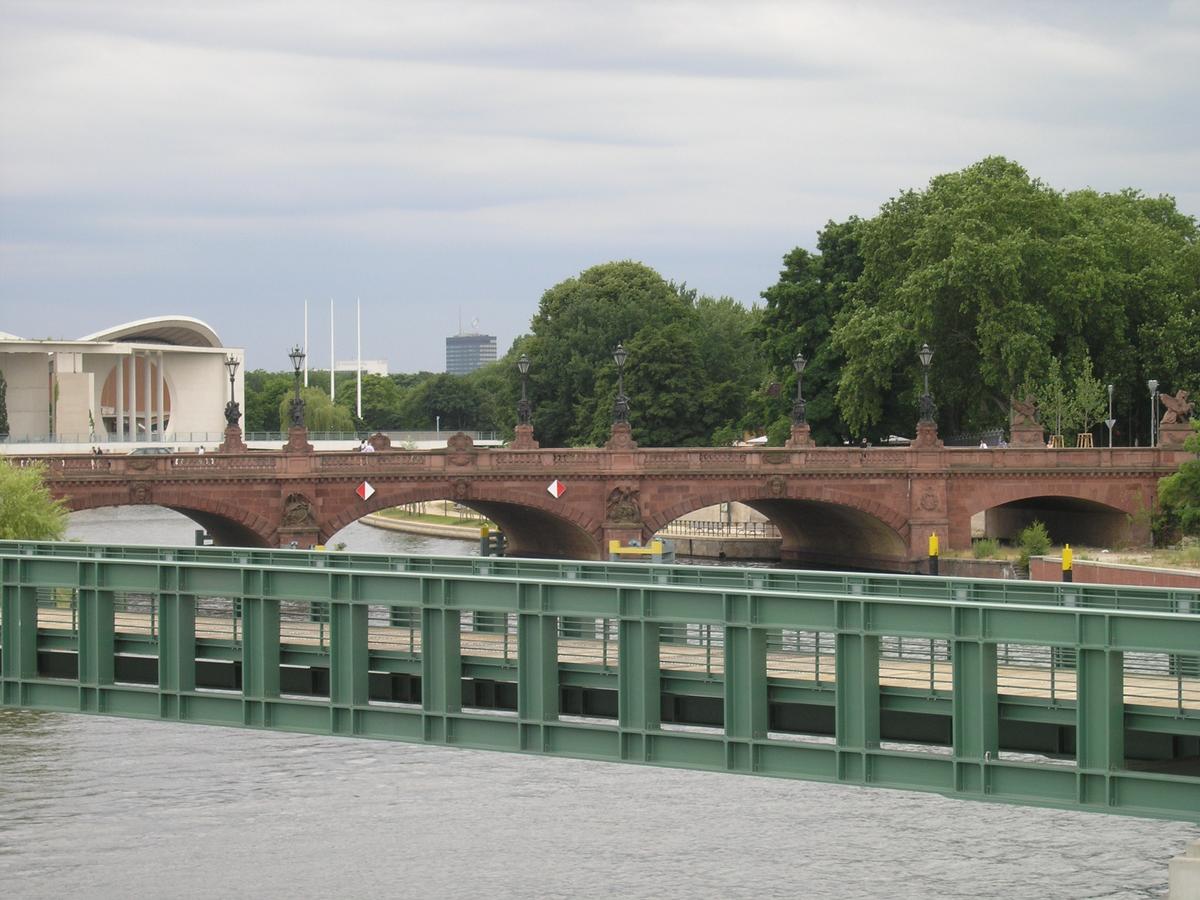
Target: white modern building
[(162, 379)]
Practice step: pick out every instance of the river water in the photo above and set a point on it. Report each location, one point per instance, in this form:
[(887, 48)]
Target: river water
[(98, 807)]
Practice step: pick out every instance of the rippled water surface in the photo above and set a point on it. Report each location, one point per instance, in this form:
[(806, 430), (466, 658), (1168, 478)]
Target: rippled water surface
[(98, 807)]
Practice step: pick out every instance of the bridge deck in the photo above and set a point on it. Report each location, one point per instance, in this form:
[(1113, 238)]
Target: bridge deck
[(1044, 682)]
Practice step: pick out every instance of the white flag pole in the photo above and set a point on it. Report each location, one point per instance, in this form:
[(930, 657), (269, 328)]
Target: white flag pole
[(332, 358), (306, 343), (358, 370)]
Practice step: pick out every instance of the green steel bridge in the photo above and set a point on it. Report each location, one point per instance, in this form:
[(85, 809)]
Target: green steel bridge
[(1062, 695)]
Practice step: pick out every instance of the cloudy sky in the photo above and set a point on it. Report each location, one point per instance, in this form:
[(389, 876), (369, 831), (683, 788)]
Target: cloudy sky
[(228, 160)]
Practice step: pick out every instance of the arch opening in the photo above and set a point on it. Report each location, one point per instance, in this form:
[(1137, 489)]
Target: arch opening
[(528, 530), (820, 533), (803, 532), (147, 523), (1069, 520)]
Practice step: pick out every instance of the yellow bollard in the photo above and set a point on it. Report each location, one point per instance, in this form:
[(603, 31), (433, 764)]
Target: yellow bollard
[(933, 554), (1067, 560)]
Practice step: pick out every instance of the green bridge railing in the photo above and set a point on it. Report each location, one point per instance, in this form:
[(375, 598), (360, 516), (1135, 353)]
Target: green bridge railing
[(1062, 695)]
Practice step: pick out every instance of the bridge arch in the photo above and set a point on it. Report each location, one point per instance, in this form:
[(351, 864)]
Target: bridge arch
[(817, 524), (228, 524), (531, 526), (1068, 517)]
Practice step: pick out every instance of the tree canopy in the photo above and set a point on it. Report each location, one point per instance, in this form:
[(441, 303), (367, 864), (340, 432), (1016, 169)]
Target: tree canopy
[(1012, 283), (27, 511), (1000, 273), (691, 359)]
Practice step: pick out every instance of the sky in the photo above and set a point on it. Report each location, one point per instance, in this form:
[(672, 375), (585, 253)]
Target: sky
[(448, 162)]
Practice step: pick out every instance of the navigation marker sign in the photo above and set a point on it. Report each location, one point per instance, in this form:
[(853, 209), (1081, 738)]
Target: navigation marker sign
[(556, 489), (365, 490)]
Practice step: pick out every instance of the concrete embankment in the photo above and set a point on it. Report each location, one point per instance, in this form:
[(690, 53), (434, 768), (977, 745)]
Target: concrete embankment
[(1086, 571), (430, 529)]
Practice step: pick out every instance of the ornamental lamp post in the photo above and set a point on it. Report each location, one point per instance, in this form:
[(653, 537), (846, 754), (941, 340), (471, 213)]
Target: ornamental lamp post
[(799, 408), (1110, 421), (523, 410), (297, 411), (231, 363), (925, 354), (1152, 384), (232, 413), (233, 442), (621, 407)]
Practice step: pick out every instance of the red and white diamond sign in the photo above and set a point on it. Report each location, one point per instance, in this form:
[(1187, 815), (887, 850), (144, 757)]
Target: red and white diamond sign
[(365, 490), (556, 489)]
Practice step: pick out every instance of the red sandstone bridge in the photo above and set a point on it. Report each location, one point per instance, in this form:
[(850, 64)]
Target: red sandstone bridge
[(840, 506)]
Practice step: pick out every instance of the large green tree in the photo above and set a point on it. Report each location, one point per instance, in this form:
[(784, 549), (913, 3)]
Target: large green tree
[(799, 318), (578, 324), (27, 511), (1001, 273), (692, 359)]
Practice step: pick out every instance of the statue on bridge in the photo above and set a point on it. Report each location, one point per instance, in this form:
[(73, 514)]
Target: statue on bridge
[(233, 414), (1179, 408), (296, 412), (1024, 412)]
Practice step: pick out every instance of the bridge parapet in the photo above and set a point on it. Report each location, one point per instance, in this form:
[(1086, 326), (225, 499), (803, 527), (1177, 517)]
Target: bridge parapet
[(886, 501)]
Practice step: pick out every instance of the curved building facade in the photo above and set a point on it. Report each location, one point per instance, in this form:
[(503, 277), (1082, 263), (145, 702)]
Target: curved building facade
[(154, 380)]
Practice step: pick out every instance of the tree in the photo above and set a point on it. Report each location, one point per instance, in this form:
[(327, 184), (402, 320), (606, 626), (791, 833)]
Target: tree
[(1053, 397), (1000, 273), (1089, 399), (382, 402), (263, 393), (1179, 494), (450, 401), (27, 510), (801, 310), (320, 414), (578, 324)]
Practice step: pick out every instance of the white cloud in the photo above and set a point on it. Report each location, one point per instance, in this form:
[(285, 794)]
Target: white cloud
[(541, 128)]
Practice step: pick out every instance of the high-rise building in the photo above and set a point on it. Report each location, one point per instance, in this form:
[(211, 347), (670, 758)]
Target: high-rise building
[(467, 352)]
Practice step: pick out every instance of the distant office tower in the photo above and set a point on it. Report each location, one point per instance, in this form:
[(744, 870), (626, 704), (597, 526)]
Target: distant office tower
[(467, 352)]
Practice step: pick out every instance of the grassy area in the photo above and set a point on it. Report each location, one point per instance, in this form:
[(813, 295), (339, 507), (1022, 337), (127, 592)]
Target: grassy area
[(1183, 557), (467, 521)]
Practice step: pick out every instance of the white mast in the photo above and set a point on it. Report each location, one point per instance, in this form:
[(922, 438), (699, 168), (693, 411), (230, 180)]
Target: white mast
[(358, 369), (306, 343), (332, 358)]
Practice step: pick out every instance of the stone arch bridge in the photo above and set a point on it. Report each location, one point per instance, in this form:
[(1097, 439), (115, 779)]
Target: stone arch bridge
[(838, 506)]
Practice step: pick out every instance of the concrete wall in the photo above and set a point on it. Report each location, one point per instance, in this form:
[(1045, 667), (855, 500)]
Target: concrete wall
[(76, 399), (28, 395), (1047, 568), (199, 386)]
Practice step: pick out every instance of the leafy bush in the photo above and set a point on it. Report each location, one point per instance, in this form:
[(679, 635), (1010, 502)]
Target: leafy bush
[(1033, 541), (985, 548)]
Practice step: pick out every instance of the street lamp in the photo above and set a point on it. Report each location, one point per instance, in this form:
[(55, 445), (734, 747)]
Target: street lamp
[(621, 407), (1152, 384), (1110, 421), (798, 408), (926, 356), (232, 412), (523, 405), (297, 410)]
